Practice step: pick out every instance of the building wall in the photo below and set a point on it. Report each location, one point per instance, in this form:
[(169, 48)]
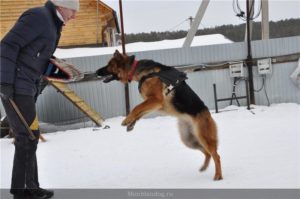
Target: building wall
[(81, 31), (84, 29), (10, 11)]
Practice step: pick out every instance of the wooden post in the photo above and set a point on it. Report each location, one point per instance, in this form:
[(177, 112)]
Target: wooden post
[(249, 60), (124, 52)]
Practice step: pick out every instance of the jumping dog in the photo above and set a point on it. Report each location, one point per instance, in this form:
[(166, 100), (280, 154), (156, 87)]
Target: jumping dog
[(164, 89)]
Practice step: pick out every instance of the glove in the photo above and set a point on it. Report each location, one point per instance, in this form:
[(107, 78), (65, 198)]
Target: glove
[(6, 91)]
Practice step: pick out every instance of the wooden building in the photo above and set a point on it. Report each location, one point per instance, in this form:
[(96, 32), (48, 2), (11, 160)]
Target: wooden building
[(95, 25)]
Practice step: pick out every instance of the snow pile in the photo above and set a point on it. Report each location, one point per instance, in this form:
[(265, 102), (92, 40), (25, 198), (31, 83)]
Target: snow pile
[(259, 149)]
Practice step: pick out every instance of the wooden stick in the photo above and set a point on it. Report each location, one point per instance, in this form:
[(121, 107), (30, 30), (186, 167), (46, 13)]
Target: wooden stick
[(17, 110)]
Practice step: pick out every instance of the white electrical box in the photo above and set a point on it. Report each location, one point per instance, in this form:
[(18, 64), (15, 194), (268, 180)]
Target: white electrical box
[(264, 66), (236, 70)]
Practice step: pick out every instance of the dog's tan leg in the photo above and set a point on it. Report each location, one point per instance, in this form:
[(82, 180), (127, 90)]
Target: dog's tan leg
[(206, 161), (151, 91), (140, 110), (207, 134), (216, 157)]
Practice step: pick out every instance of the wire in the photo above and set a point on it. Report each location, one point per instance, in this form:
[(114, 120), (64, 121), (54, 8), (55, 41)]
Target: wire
[(263, 86), (259, 10), (178, 24), (241, 14), (238, 80), (267, 95), (183, 22)]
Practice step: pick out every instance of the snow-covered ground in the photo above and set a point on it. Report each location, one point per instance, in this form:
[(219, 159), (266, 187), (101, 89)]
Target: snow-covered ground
[(202, 40), (259, 149)]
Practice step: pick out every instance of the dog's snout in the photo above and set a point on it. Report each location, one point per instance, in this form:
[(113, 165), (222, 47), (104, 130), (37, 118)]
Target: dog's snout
[(102, 71)]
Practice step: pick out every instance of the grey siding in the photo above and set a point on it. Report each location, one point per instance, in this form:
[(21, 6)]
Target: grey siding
[(108, 99), (279, 86)]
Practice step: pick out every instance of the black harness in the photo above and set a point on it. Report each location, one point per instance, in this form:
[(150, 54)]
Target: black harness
[(171, 77)]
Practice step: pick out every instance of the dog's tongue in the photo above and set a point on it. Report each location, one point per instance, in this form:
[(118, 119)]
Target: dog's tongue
[(109, 78)]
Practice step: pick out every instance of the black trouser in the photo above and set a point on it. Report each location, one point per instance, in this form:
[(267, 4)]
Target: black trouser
[(25, 171), (41, 85)]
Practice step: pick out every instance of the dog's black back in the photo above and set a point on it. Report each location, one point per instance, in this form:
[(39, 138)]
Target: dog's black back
[(185, 100)]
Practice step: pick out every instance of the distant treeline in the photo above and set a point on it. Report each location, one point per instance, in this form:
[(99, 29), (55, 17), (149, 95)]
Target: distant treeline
[(283, 28)]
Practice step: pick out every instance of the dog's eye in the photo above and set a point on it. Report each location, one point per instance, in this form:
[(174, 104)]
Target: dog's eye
[(113, 69), (116, 70)]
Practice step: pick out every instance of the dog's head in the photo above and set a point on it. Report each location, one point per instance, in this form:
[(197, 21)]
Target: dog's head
[(117, 68)]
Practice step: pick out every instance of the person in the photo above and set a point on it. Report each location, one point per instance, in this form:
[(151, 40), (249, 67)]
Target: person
[(25, 53)]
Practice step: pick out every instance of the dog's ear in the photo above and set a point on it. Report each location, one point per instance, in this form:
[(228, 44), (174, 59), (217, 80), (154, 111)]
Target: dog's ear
[(131, 58), (117, 55), (116, 52)]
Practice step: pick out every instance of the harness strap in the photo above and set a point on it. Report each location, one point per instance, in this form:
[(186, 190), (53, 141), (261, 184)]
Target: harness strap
[(172, 78)]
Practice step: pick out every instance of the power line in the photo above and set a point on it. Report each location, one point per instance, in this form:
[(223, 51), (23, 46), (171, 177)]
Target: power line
[(179, 24), (188, 19), (241, 14)]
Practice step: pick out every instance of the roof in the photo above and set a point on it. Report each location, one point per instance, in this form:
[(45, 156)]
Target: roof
[(202, 40)]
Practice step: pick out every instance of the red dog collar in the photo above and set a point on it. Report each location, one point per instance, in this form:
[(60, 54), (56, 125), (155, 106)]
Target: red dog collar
[(130, 75)]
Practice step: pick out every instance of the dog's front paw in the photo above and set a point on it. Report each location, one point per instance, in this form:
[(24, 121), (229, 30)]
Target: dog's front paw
[(125, 122), (128, 120), (129, 123), (130, 126)]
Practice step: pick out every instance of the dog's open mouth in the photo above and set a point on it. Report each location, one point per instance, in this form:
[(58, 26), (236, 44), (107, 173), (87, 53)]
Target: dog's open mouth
[(107, 76), (110, 78)]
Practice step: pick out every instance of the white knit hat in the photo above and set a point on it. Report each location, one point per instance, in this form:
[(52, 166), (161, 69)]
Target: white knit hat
[(71, 4)]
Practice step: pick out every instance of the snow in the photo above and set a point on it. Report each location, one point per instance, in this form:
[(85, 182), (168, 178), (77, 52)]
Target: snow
[(141, 46), (258, 148)]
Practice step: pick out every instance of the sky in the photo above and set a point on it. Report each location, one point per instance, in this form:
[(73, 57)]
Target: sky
[(170, 15)]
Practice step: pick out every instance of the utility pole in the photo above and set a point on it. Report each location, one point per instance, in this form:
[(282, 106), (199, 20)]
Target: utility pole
[(190, 36), (249, 60), (124, 52), (265, 19), (191, 21), (251, 14)]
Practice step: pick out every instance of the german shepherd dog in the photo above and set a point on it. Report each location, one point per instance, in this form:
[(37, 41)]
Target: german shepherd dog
[(163, 89)]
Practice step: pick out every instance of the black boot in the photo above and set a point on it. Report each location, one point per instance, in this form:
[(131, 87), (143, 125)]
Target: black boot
[(20, 196), (40, 193)]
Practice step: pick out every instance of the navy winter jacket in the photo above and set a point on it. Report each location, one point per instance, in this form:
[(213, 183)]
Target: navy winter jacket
[(27, 48)]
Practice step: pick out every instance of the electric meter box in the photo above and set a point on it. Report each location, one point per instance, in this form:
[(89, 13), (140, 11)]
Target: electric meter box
[(236, 70), (264, 66)]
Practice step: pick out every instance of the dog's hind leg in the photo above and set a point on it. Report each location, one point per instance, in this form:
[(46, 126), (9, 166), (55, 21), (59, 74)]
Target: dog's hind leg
[(207, 135), (206, 161), (187, 136)]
